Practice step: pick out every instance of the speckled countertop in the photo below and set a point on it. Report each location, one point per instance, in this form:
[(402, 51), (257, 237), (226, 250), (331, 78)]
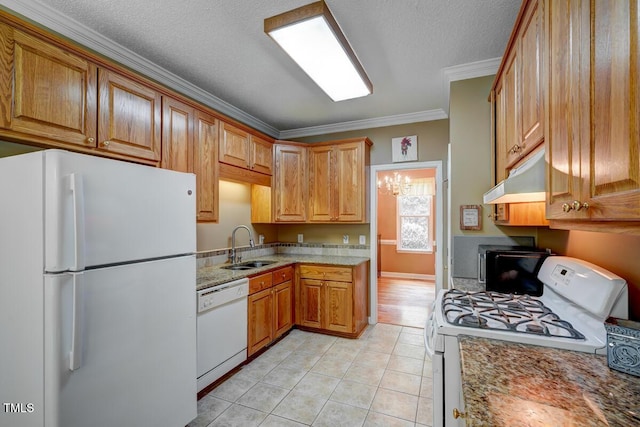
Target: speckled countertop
[(215, 275), (509, 384)]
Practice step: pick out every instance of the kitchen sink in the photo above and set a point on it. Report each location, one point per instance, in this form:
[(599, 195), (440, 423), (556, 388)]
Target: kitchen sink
[(256, 264), (237, 267), (248, 265)]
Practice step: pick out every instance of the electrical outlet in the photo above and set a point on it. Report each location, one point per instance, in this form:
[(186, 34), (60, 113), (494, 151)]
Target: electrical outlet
[(363, 239), (300, 238), (345, 239)]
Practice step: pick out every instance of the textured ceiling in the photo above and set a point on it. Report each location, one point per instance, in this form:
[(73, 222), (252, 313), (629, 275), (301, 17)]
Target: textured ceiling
[(220, 46)]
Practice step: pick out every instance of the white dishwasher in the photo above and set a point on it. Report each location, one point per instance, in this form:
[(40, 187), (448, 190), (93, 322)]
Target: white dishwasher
[(221, 329)]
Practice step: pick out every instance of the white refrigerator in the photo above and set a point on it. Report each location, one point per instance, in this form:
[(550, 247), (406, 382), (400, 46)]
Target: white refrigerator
[(97, 293)]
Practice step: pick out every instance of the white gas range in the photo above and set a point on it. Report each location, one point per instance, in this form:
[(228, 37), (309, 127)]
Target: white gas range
[(570, 314)]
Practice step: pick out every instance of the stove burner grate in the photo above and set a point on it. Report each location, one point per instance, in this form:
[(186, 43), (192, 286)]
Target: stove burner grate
[(507, 312)]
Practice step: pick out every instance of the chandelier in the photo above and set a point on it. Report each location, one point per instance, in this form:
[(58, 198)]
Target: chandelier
[(398, 185)]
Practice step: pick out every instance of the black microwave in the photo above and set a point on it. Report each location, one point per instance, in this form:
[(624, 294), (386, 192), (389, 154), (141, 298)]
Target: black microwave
[(515, 272)]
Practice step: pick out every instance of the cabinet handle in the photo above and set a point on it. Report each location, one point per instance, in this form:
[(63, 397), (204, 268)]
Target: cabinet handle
[(91, 140), (457, 414), (106, 143), (577, 205)]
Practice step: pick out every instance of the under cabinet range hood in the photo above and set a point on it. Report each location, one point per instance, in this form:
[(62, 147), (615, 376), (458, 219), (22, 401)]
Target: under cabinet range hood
[(525, 183)]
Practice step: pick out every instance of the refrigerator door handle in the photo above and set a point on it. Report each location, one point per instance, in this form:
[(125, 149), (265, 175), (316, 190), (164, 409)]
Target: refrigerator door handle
[(75, 355), (77, 190)]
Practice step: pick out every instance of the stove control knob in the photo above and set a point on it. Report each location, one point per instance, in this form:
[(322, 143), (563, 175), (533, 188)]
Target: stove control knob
[(457, 414)]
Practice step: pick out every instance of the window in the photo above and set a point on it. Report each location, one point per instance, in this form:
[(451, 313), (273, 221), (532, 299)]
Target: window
[(414, 223)]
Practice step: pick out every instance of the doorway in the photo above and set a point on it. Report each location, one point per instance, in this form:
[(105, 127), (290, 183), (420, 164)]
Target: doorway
[(406, 237)]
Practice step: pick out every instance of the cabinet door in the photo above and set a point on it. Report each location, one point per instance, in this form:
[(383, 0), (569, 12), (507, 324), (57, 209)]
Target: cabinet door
[(46, 92), (338, 306), (321, 184), (350, 182), (511, 109), (261, 155), (531, 102), (234, 146), (260, 325), (129, 117), (205, 161), (613, 190), (310, 304), (282, 308), (177, 135), (290, 183), (567, 59)]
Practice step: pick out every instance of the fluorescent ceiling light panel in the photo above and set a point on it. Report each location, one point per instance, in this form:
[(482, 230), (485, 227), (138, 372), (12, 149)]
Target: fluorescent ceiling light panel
[(312, 38)]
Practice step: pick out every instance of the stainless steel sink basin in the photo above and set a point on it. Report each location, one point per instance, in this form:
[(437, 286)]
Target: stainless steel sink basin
[(256, 264), (248, 265), (237, 267)]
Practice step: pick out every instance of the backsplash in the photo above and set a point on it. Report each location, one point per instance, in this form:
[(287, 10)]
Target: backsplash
[(221, 256)]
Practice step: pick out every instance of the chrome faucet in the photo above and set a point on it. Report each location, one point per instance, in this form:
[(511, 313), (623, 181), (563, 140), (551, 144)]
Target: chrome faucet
[(233, 257)]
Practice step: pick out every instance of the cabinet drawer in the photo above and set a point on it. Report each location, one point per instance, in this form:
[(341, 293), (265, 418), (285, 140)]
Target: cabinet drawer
[(282, 275), (260, 282), (325, 272)]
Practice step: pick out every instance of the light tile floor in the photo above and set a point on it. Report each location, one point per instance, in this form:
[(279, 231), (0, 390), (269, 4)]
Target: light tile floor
[(380, 379)]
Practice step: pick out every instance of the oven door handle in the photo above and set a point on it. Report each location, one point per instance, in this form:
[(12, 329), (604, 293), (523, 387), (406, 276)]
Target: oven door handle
[(428, 333)]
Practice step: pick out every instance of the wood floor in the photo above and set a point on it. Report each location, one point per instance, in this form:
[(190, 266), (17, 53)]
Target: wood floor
[(404, 302)]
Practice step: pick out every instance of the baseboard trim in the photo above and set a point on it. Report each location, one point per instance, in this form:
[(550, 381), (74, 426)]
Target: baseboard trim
[(407, 275)]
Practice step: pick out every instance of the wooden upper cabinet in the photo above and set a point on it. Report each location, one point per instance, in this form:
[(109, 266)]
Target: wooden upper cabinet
[(567, 80), (593, 113), (205, 161), (518, 90), (240, 148), (531, 126), (613, 190), (322, 171), (511, 110), (350, 190), (518, 109), (290, 183), (337, 188), (261, 158), (46, 92), (234, 146), (177, 135), (129, 117)]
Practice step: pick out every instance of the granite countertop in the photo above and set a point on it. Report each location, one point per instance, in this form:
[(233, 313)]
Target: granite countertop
[(509, 384), (216, 275)]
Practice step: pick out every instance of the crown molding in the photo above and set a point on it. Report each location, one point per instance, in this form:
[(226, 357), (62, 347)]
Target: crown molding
[(469, 70), (45, 16), (399, 119)]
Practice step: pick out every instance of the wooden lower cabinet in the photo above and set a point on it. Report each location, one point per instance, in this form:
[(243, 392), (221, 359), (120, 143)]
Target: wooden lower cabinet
[(260, 312), (270, 308), (333, 298), (282, 308)]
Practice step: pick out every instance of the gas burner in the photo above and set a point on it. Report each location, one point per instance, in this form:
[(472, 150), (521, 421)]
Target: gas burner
[(507, 312), (534, 329), (472, 320)]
